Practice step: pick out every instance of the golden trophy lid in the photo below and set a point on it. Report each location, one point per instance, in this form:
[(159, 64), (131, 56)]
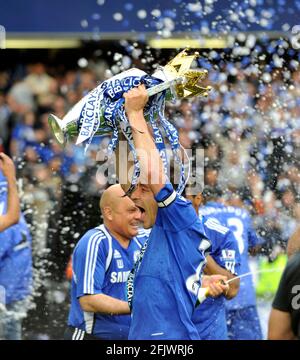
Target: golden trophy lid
[(180, 66)]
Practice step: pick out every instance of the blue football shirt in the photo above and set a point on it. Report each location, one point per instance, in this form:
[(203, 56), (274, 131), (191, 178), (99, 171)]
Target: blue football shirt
[(210, 316), (239, 222), (101, 266), (167, 282), (15, 255)]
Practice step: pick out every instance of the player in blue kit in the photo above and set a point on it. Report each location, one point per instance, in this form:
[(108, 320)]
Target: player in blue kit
[(15, 271), (8, 179), (102, 260), (242, 318), (168, 279), (224, 258)]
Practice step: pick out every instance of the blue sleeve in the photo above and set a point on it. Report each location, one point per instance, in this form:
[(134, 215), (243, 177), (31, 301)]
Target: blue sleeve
[(89, 261), (179, 215), (6, 243), (230, 254), (224, 245)]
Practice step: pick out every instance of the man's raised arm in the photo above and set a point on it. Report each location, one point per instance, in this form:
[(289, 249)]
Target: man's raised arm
[(152, 171)]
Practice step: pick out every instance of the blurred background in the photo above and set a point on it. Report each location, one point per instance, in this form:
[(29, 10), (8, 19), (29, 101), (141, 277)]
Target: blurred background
[(53, 53)]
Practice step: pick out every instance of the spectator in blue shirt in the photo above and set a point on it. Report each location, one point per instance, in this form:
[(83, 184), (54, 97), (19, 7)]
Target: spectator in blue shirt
[(15, 275), (8, 183)]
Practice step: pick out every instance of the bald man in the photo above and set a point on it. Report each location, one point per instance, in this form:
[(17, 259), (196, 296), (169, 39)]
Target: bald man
[(102, 260)]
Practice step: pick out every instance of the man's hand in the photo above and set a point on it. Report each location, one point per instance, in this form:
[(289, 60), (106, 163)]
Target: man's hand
[(212, 268), (215, 284), (135, 99), (7, 166)]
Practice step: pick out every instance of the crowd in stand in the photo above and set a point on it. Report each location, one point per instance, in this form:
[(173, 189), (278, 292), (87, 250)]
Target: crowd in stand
[(250, 132)]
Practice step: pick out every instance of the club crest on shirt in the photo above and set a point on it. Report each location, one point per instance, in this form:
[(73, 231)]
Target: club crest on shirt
[(120, 264)]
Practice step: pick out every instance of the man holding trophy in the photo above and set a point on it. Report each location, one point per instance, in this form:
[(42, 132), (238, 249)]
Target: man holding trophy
[(166, 280)]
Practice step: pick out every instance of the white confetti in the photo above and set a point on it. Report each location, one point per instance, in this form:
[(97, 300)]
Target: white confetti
[(142, 14), (118, 16)]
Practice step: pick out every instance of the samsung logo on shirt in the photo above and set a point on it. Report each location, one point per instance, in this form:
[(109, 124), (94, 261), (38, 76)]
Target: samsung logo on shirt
[(119, 276)]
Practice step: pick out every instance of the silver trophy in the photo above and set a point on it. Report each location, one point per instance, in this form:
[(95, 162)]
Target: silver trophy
[(94, 114)]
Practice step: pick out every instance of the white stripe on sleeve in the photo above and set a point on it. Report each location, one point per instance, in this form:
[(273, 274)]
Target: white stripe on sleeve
[(110, 251), (90, 260), (74, 334)]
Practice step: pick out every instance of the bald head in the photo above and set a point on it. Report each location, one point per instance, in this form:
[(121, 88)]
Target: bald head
[(112, 197), (120, 214)]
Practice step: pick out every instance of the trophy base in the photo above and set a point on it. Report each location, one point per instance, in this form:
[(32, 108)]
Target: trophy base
[(57, 130), (65, 133)]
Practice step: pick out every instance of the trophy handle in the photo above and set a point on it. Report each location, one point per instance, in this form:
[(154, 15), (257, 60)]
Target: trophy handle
[(57, 129), (164, 86)]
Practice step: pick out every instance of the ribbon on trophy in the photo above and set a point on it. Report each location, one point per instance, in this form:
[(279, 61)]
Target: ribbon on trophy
[(133, 272), (102, 110)]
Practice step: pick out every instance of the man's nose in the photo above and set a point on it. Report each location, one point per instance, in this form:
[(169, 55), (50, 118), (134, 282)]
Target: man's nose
[(137, 214)]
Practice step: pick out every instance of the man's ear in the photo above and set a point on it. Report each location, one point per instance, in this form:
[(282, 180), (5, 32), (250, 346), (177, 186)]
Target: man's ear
[(107, 212)]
